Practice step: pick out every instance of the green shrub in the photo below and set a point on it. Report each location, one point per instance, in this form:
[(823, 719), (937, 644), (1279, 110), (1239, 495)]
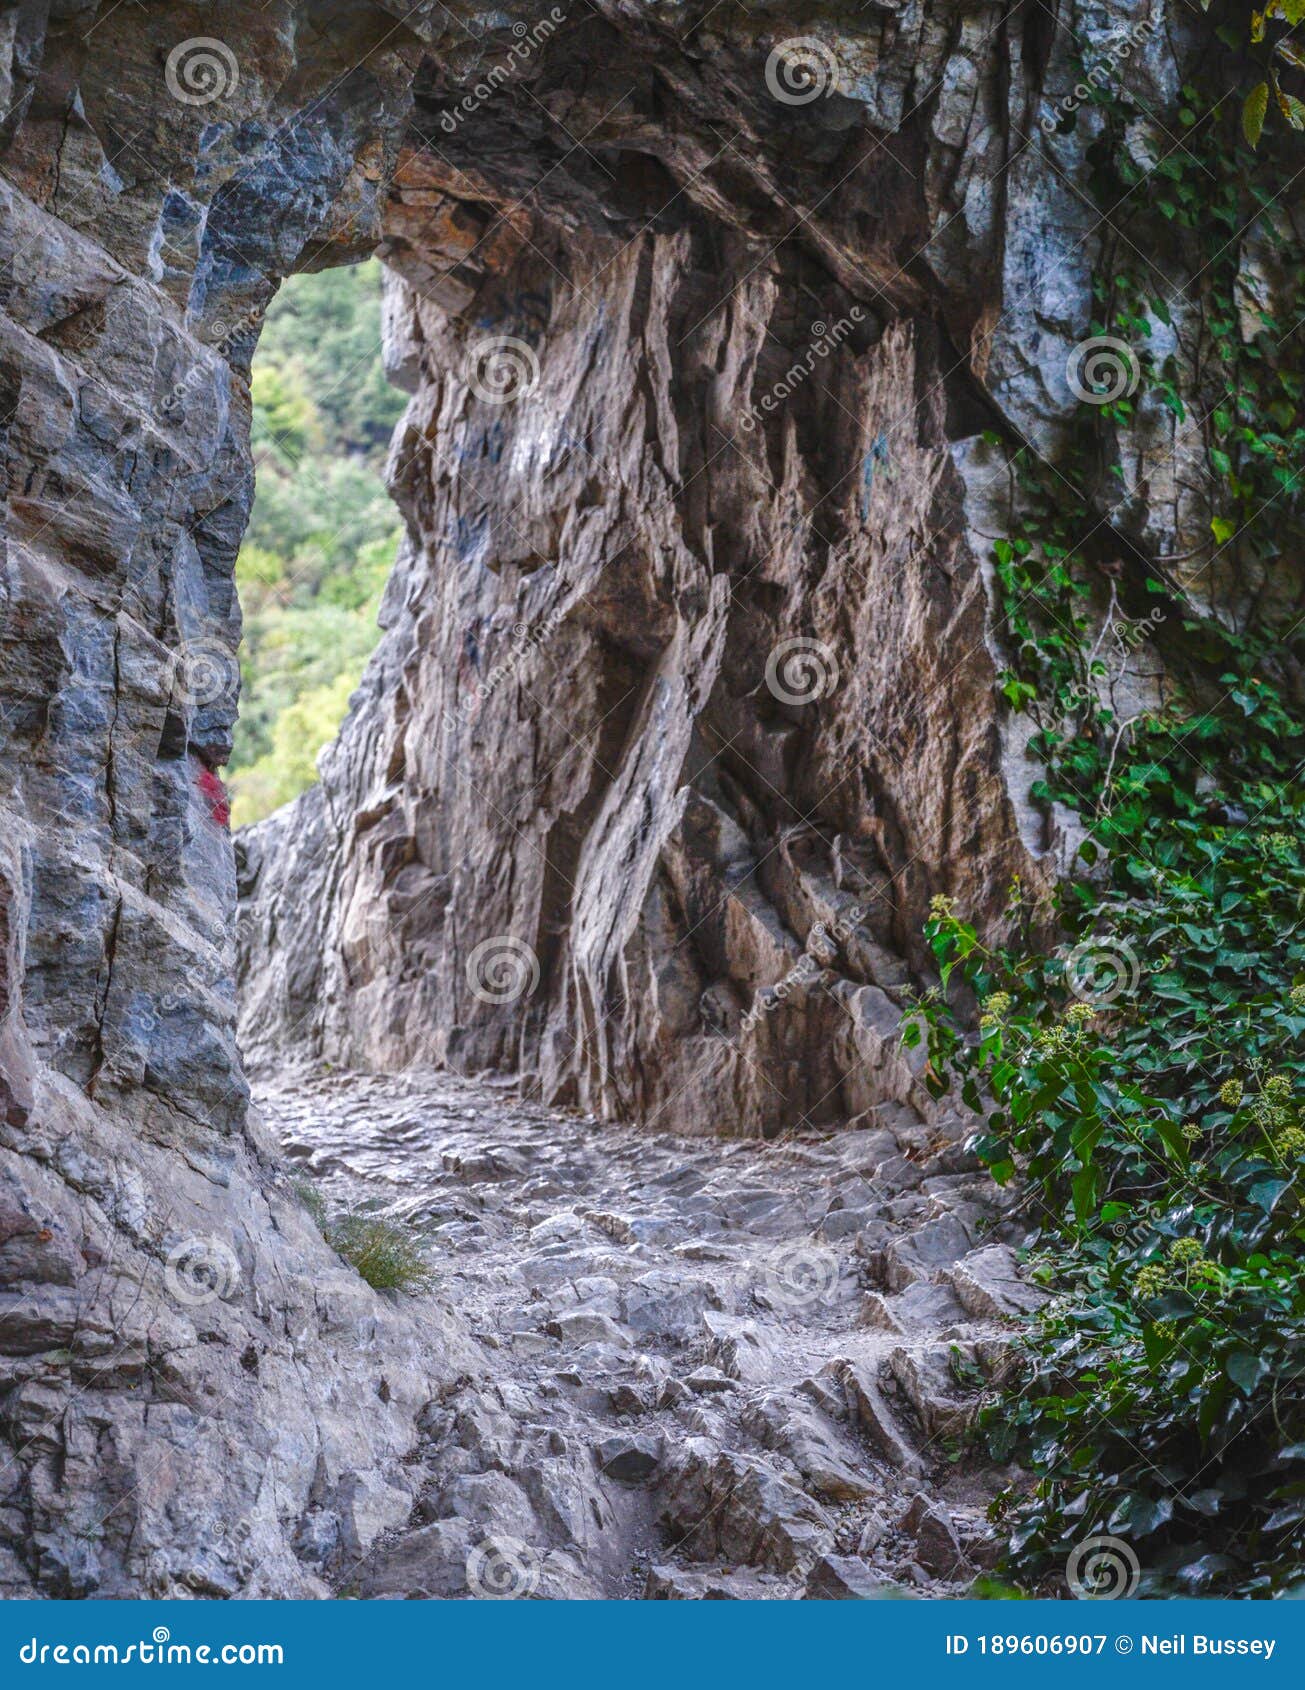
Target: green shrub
[(312, 1200), (384, 1254), (323, 531), (1159, 1137)]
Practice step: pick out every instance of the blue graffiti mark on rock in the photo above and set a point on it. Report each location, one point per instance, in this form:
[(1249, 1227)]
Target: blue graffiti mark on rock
[(878, 454), (469, 535), (487, 443)]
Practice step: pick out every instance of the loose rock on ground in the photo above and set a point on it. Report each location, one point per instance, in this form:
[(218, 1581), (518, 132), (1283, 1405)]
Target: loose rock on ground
[(699, 1380)]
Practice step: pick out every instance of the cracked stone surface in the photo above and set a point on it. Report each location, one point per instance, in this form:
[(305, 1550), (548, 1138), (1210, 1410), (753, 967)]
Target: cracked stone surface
[(567, 740), (696, 1381), (687, 699)]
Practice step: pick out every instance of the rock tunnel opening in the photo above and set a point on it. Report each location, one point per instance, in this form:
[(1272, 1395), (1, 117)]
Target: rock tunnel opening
[(621, 770), (685, 706), (323, 531)]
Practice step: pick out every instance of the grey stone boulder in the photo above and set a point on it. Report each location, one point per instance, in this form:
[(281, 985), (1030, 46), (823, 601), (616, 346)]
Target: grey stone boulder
[(937, 1547), (871, 1412), (717, 1503), (631, 1458), (988, 1285), (846, 1578)]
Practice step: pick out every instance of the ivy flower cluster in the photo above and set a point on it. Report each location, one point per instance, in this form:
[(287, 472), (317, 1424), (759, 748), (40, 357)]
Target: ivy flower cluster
[(1271, 1111), (1187, 1265)]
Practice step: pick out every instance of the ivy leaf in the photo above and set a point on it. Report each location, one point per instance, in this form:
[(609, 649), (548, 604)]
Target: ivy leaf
[(1140, 1515), (1223, 528), (1197, 1574), (1245, 1370), (1291, 108), (1257, 103), (1266, 1192)]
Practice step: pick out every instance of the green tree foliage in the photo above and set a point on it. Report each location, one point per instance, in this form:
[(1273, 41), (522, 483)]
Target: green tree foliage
[(323, 532)]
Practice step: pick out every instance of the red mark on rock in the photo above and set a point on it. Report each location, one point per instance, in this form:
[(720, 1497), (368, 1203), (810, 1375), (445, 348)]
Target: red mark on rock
[(218, 806)]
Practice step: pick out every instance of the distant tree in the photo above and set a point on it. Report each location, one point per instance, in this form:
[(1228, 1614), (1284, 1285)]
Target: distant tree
[(323, 531)]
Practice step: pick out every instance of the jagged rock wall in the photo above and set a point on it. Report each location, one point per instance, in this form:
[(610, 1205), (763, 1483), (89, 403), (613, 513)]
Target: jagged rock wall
[(196, 1395), (686, 703)]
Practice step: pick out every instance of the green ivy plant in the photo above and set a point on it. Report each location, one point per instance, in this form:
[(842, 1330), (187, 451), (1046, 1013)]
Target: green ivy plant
[(1142, 1079), (1274, 49)]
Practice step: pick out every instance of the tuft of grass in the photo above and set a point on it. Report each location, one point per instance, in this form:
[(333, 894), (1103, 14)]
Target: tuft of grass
[(382, 1253), (312, 1200)]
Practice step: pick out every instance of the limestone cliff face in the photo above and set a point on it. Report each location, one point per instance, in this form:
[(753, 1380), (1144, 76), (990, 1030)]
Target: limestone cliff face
[(687, 699), (195, 1394), (594, 815)]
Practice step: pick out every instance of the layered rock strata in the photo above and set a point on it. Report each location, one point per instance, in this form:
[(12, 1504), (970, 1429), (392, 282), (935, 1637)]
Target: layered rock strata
[(187, 1373), (594, 816), (687, 699)]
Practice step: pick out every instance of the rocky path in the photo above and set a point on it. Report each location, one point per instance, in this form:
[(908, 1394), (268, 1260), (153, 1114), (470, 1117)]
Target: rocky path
[(711, 1368)]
